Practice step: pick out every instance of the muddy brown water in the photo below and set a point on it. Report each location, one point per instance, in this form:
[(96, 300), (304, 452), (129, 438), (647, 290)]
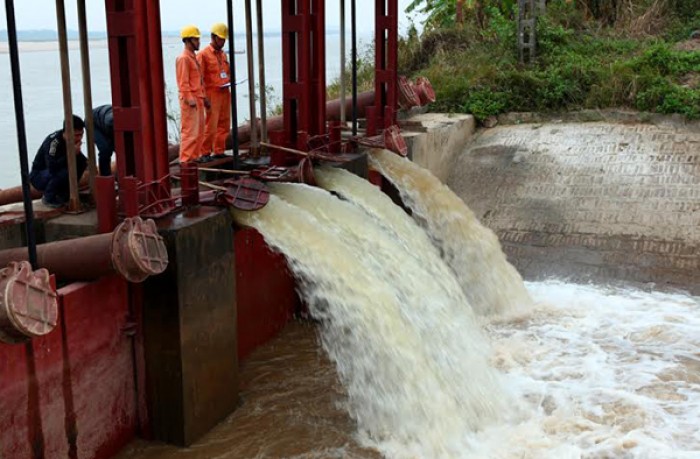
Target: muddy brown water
[(291, 406)]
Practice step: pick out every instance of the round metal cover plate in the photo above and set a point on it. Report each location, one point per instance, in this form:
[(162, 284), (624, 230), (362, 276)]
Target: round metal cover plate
[(28, 304), (394, 141), (247, 194)]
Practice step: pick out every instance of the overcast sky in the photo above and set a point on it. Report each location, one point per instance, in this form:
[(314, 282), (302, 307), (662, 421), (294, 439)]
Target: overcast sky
[(41, 14)]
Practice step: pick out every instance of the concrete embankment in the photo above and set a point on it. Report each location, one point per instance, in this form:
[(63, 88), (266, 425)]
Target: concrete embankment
[(592, 201)]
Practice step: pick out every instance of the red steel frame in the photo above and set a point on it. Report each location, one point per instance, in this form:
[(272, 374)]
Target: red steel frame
[(138, 100), (386, 21), (304, 74)]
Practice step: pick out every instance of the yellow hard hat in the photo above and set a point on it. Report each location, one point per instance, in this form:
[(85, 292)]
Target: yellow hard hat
[(190, 31), (220, 30)]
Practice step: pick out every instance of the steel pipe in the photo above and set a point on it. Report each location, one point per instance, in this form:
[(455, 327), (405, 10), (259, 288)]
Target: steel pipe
[(261, 71), (251, 76), (134, 250), (157, 77), (87, 94), (73, 202), (353, 25), (234, 101), (342, 59), (16, 194), (26, 190)]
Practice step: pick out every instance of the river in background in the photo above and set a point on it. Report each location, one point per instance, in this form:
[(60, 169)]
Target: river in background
[(43, 99)]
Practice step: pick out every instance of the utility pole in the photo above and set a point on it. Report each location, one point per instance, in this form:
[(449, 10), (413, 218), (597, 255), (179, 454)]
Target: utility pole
[(527, 25)]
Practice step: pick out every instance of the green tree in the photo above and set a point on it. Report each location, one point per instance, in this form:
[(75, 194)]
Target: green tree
[(445, 13)]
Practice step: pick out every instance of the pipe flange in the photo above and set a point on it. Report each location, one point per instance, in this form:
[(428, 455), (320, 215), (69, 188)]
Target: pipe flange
[(394, 141), (28, 303), (138, 251), (426, 92)]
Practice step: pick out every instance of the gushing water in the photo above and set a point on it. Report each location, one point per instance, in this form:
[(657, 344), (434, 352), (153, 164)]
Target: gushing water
[(404, 342), (491, 284), (391, 218)]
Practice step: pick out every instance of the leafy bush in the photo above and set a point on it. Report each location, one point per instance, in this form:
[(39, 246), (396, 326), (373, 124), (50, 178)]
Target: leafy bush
[(580, 64)]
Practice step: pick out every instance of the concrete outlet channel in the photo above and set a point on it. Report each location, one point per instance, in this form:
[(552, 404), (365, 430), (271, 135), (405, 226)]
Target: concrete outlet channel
[(581, 201)]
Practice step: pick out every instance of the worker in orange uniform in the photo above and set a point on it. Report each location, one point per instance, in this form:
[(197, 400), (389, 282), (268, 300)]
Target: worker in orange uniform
[(190, 85), (217, 81)]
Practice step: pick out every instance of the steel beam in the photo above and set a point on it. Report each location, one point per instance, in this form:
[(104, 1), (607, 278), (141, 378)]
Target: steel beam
[(26, 193), (73, 201), (386, 62)]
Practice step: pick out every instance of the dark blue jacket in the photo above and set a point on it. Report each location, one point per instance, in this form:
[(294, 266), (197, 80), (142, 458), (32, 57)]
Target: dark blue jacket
[(52, 155), (103, 119)]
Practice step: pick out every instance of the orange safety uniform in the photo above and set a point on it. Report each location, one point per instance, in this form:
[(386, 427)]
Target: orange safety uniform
[(191, 87), (217, 78)]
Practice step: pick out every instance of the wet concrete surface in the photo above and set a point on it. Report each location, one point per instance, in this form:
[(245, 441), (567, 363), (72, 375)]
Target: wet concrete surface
[(589, 201)]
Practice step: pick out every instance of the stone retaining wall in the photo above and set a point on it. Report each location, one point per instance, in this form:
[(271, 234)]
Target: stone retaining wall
[(589, 201)]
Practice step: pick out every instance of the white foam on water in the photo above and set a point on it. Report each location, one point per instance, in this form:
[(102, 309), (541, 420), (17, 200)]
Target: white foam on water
[(605, 374), (491, 284)]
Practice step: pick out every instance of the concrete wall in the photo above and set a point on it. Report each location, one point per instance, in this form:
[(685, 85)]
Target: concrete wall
[(434, 139), (589, 201)]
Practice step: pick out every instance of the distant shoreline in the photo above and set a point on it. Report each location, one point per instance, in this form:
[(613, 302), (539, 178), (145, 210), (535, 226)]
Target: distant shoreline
[(47, 36), (97, 40)]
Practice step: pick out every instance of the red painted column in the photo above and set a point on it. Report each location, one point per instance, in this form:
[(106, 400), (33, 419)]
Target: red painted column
[(318, 68), (386, 61), (304, 64), (138, 98)]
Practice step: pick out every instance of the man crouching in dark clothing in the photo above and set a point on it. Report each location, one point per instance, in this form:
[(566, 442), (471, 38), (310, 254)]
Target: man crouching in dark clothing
[(50, 167)]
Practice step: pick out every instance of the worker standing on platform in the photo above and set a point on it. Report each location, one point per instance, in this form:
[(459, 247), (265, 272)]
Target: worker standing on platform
[(50, 167), (190, 86), (217, 82)]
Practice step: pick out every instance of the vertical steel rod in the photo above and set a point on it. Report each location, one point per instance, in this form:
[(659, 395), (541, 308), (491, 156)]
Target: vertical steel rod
[(234, 102), (261, 71), (160, 123), (21, 131), (87, 93), (251, 77), (353, 25), (342, 61), (73, 203)]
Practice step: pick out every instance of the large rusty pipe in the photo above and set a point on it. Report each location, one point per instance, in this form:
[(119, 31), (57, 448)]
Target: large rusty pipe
[(134, 250), (14, 194), (276, 123)]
